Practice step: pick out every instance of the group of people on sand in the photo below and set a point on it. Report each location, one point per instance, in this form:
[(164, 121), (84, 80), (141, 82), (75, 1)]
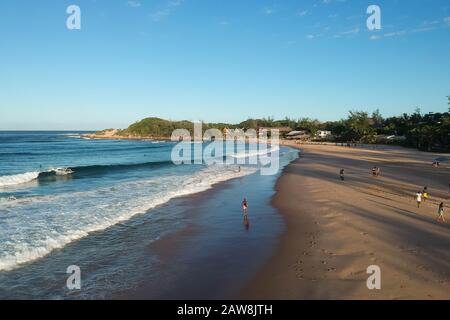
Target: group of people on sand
[(376, 172), (421, 196)]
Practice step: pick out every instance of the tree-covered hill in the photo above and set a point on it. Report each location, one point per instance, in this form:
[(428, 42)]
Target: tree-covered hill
[(429, 132)]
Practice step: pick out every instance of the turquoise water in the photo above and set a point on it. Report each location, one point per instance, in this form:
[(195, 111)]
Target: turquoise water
[(59, 191)]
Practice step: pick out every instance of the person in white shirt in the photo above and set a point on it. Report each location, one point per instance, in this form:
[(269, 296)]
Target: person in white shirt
[(419, 198)]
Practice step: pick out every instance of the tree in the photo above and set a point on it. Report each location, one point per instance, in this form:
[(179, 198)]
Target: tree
[(377, 119), (359, 128), (429, 132), (312, 126)]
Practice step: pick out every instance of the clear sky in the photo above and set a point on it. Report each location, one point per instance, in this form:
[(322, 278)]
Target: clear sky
[(218, 60)]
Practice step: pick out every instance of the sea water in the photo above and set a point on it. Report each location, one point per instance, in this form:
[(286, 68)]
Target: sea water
[(58, 189)]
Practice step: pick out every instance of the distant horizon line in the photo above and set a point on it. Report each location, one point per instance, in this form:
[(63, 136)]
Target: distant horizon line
[(45, 130)]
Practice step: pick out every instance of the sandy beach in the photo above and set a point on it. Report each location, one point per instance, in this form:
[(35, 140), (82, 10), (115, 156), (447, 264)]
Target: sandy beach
[(336, 229)]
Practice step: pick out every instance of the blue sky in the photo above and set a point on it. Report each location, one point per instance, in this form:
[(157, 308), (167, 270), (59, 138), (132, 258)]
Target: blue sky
[(218, 60)]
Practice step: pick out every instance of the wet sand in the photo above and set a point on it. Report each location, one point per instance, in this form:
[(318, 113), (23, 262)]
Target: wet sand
[(216, 254), (336, 229)]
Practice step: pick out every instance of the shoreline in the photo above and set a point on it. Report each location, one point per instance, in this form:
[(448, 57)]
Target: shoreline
[(185, 262), (97, 137), (205, 259), (335, 230), (202, 251), (312, 236), (93, 136)]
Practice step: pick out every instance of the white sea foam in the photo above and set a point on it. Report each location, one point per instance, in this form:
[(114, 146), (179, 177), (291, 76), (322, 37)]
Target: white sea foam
[(21, 178), (61, 219), (61, 171), (254, 153), (71, 135), (6, 181)]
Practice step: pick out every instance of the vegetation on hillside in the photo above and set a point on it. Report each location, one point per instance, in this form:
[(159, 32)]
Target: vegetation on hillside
[(429, 132), (157, 127)]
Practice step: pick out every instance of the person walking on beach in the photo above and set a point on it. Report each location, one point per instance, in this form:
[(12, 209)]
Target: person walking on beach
[(245, 208), (374, 171), (425, 194), (341, 174), (419, 198), (441, 212)]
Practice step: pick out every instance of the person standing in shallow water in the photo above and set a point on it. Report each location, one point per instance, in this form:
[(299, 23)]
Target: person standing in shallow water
[(245, 208), (246, 223), (341, 174)]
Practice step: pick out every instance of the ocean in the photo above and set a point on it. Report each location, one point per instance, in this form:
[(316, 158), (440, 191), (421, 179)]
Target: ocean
[(101, 204)]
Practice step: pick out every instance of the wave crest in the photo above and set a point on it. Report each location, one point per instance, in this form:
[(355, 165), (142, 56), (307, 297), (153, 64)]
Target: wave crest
[(6, 181)]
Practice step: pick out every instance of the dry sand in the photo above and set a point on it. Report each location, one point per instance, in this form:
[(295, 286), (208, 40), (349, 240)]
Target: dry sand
[(335, 229)]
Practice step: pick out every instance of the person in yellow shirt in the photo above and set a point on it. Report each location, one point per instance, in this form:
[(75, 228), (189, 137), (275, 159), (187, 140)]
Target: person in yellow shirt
[(425, 194)]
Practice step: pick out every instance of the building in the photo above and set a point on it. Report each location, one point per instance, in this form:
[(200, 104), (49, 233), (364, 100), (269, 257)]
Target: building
[(266, 130), (383, 138), (298, 135), (322, 134), (233, 132)]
